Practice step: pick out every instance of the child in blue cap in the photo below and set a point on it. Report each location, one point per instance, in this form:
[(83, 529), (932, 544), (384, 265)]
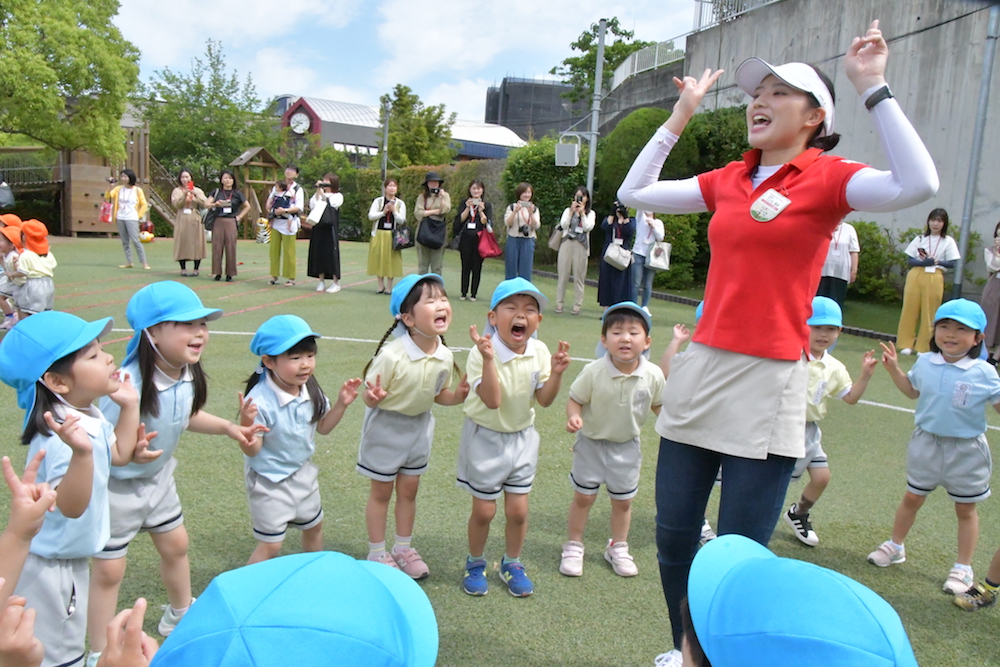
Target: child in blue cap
[(404, 380), (164, 361), (827, 377), (509, 370), (948, 447), (283, 395), (55, 362)]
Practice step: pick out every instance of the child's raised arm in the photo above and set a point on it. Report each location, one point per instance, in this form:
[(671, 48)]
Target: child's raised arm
[(891, 363), (456, 397), (18, 645), (348, 392), (681, 335), (244, 434), (547, 393), (868, 366), (78, 482), (489, 384), (127, 426), (374, 393), (28, 504)]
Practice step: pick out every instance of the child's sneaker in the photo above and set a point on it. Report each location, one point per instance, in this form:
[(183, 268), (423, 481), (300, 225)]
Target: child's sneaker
[(475, 582), (170, 619), (621, 560), (410, 562), (385, 558), (572, 559), (887, 555), (801, 525), (977, 597), (959, 581), (8, 322), (671, 658), (707, 534), (517, 581)]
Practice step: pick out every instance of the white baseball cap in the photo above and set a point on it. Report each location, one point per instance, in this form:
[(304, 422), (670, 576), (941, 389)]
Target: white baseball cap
[(800, 76)]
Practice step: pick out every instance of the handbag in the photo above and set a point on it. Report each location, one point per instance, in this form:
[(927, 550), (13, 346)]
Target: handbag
[(658, 258), (208, 216), (431, 232), (104, 212), (456, 240), (488, 246), (402, 237), (316, 214), (618, 256), (555, 239)]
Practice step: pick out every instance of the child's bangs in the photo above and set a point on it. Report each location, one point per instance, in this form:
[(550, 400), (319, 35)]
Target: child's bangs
[(305, 346)]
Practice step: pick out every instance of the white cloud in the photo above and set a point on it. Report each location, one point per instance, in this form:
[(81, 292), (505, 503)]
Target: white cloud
[(279, 71), (466, 97)]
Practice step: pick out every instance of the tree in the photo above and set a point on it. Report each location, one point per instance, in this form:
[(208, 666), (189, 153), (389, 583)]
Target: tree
[(65, 73), (579, 70), (418, 134), (204, 119)]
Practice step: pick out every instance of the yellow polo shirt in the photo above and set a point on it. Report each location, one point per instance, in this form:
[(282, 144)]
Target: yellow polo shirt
[(411, 377), (827, 377), (520, 375), (615, 405)]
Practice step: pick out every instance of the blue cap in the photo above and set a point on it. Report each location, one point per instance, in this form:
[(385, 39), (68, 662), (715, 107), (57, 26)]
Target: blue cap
[(166, 301), (967, 312), (37, 342), (826, 312), (748, 609), (514, 286), (280, 334), (698, 311), (405, 285), (306, 609)]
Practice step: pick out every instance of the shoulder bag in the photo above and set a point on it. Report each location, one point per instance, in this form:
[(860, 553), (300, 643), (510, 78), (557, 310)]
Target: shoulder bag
[(658, 257), (617, 255), (402, 237), (488, 246), (431, 232), (316, 213), (556, 238), (208, 217)]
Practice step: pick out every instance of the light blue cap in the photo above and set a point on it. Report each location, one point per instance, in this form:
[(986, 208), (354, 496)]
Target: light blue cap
[(165, 301), (748, 609), (967, 312), (306, 609), (280, 334), (405, 285), (514, 286), (826, 312), (37, 342), (698, 311)]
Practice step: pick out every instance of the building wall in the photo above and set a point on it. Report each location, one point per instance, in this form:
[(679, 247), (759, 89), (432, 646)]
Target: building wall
[(534, 108), (652, 88)]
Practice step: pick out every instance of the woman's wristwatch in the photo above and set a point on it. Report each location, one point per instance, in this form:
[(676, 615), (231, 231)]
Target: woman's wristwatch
[(879, 95)]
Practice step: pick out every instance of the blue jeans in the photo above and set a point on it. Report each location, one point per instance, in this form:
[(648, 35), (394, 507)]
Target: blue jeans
[(519, 256), (642, 280), (753, 495)]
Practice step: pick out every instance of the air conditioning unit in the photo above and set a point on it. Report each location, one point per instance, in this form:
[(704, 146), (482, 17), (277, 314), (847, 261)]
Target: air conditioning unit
[(568, 154)]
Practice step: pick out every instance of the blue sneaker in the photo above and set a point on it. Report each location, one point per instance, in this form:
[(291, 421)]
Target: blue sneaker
[(517, 581), (475, 582)]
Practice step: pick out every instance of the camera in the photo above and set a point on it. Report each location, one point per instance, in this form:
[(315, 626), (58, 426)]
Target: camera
[(525, 230), (321, 184), (578, 199), (621, 209), (435, 191)]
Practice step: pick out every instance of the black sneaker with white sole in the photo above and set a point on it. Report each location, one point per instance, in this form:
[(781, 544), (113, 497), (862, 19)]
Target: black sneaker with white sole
[(801, 525)]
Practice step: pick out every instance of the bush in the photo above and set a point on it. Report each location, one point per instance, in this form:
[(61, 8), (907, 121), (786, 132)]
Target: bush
[(879, 275), (681, 232)]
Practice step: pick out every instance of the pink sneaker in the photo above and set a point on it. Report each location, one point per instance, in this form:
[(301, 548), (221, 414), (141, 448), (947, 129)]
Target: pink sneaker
[(385, 558), (410, 562)]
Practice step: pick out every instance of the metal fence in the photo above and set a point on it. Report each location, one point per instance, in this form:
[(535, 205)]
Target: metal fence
[(714, 12), (27, 166)]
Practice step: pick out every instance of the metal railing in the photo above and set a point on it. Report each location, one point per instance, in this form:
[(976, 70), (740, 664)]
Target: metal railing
[(31, 165), (713, 12)]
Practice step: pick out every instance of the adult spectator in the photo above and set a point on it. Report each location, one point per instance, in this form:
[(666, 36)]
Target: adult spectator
[(285, 227), (576, 222), (128, 207), (230, 208), (648, 231), (614, 285), (324, 239), (522, 222), (432, 206), (386, 213), (189, 235), (990, 300), (473, 216), (841, 266)]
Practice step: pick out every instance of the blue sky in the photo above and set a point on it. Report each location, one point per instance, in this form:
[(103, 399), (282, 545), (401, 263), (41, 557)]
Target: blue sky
[(448, 52)]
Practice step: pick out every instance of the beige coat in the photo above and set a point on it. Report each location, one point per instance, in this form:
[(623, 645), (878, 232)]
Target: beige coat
[(189, 235)]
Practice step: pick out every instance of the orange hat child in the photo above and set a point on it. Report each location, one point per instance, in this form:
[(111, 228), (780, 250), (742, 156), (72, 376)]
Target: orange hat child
[(10, 220), (13, 234), (36, 236)]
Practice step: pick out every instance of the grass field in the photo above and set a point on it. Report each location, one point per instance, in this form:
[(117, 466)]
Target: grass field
[(598, 619)]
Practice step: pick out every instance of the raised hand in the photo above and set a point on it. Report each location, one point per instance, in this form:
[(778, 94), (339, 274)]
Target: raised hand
[(248, 410), (18, 645), (126, 394), (560, 360), (128, 645), (866, 58), (28, 501), (692, 91), (681, 333), (484, 343), (374, 393), (574, 423), (349, 391), (142, 454), (889, 358), (869, 363), (71, 432)]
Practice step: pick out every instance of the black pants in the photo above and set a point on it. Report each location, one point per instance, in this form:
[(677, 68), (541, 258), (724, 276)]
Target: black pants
[(472, 262), (834, 288)]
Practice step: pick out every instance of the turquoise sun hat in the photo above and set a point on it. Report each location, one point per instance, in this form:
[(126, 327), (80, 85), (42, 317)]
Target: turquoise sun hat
[(165, 301), (826, 312), (306, 609), (37, 342), (748, 609), (600, 350), (515, 286), (967, 312), (280, 334)]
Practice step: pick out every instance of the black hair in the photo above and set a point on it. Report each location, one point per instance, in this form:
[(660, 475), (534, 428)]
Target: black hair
[(478, 182), (231, 174), (149, 400), (183, 171), (698, 656), (830, 141), (292, 166), (623, 315), (582, 189), (996, 230), (427, 188), (46, 400), (973, 353), (129, 174), (305, 346), (937, 214)]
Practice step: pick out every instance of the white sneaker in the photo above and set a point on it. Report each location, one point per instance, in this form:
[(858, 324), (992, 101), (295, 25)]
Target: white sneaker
[(671, 658), (707, 534), (621, 560), (93, 658), (572, 559), (887, 555), (321, 286), (645, 309), (906, 351), (333, 289), (169, 620), (959, 580)]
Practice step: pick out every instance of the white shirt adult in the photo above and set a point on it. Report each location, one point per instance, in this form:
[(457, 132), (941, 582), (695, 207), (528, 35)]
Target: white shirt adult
[(941, 248), (648, 230), (842, 256)]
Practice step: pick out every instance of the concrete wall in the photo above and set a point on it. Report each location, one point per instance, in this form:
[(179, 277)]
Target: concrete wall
[(653, 88), (935, 60)]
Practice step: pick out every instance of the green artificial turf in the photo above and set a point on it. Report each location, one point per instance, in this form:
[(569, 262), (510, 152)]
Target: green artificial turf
[(597, 619)]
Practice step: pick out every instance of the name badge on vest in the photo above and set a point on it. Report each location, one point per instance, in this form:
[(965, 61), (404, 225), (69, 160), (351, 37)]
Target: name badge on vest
[(187, 211), (769, 205)]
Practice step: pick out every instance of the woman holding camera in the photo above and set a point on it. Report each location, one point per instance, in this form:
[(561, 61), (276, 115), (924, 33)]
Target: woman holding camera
[(230, 208), (473, 216), (189, 235), (614, 284), (386, 212), (128, 207), (575, 225), (324, 244), (522, 221), (432, 205)]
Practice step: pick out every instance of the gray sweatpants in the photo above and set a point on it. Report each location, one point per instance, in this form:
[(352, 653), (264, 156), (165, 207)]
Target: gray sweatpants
[(128, 231)]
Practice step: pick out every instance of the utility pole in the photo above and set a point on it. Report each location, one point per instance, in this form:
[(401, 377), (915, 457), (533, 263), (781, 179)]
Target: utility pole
[(385, 138), (595, 107)]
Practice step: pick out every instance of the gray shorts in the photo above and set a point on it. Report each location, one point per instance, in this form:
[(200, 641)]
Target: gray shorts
[(7, 288), (393, 443), (58, 590), (815, 456), (36, 295), (614, 464), (490, 462), (141, 505), (963, 466), (294, 501)]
